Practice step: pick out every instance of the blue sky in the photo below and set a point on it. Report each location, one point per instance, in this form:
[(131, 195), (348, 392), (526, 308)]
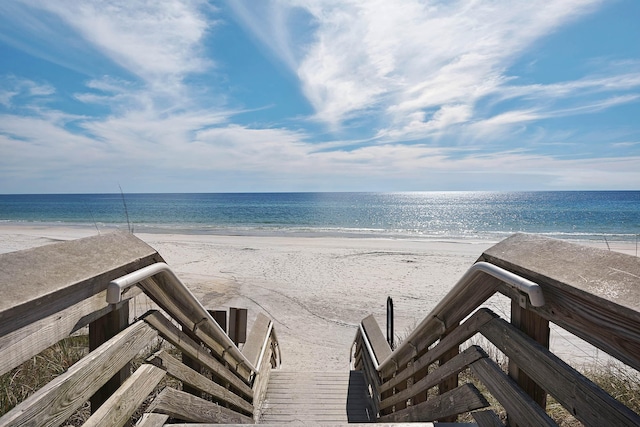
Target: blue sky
[(318, 95)]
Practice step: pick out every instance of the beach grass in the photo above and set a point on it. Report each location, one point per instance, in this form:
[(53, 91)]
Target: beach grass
[(24, 380)]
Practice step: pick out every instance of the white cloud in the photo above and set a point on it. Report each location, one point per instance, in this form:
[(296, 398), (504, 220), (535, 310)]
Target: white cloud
[(12, 87), (157, 41), (581, 87), (419, 127), (146, 151), (6, 96), (402, 58)]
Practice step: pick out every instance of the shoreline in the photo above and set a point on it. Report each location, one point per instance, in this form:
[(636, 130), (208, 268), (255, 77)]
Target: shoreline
[(67, 231), (316, 289)]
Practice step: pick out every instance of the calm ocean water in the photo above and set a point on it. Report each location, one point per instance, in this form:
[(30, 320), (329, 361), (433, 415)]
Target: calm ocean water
[(595, 215)]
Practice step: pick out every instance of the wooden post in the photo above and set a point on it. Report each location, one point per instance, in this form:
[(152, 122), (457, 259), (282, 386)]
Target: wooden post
[(220, 316), (238, 325), (537, 328), (100, 330), (451, 382)]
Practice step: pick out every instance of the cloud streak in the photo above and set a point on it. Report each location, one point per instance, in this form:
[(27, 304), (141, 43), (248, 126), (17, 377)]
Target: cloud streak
[(157, 41), (411, 62)]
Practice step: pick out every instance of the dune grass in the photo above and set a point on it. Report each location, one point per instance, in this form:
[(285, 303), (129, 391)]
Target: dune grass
[(22, 381)]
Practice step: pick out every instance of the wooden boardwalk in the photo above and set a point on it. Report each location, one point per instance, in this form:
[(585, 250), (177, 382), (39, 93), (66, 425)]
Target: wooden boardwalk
[(322, 397)]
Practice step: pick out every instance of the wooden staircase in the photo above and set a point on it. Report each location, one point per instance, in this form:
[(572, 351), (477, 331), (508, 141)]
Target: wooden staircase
[(51, 292), (316, 397)]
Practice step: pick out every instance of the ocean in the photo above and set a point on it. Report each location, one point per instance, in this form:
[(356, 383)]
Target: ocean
[(575, 215)]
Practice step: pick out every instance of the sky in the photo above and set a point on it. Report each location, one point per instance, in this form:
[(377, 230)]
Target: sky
[(318, 95)]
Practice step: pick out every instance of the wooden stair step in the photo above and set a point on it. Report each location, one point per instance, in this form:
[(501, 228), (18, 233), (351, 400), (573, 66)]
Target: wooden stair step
[(316, 397)]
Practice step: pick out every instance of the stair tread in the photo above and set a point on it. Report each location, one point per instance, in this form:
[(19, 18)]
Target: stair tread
[(327, 397)]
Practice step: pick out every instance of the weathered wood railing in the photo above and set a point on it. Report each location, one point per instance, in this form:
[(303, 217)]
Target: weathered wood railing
[(53, 291), (591, 293)]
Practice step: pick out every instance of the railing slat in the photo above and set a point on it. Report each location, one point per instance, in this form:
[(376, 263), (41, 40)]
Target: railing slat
[(56, 401), (461, 399), (179, 339), (180, 371), (22, 344), (185, 312), (453, 366), (462, 333), (480, 287), (519, 405), (117, 410), (188, 407), (51, 291), (582, 398)]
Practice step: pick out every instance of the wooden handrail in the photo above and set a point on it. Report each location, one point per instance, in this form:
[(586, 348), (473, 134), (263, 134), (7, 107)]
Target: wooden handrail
[(68, 290), (400, 382), (179, 292), (466, 294)]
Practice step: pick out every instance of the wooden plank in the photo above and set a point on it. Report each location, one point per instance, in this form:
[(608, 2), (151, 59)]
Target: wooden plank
[(537, 328), (179, 339), (480, 288), (100, 331), (462, 333), (56, 401), (39, 282), (453, 366), (372, 379), (462, 399), (311, 396), (117, 410), (187, 407), (253, 347), (377, 340), (183, 308), (590, 292), (165, 361), (487, 418), (22, 344), (585, 400), (152, 420), (261, 381), (519, 406), (52, 291)]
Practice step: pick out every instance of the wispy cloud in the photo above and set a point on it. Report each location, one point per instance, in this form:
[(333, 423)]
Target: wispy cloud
[(411, 62), (156, 41), (12, 87)]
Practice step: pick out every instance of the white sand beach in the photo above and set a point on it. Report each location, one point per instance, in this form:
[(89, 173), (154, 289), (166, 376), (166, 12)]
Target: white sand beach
[(316, 289)]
